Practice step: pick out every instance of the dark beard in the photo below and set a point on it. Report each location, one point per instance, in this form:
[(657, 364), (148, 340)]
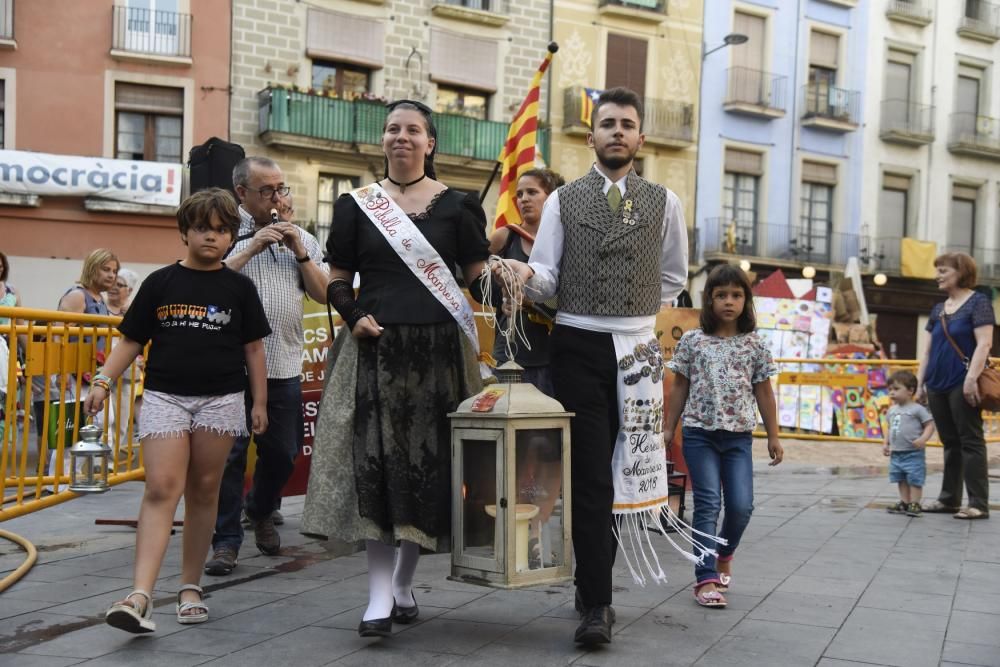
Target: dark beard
[(614, 162)]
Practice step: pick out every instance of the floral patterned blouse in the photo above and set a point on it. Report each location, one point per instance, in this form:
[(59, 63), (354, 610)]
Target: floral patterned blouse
[(722, 373)]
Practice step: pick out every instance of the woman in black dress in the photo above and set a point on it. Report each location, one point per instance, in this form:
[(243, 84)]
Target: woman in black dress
[(381, 468)]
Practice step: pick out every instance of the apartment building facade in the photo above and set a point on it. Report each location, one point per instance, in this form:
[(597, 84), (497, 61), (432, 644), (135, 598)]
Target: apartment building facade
[(100, 103), (781, 140), (650, 46), (932, 148), (310, 82)]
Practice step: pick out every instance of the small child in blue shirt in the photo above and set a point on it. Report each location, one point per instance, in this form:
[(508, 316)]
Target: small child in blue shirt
[(909, 427)]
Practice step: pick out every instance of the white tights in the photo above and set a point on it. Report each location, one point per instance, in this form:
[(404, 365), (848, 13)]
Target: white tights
[(390, 577)]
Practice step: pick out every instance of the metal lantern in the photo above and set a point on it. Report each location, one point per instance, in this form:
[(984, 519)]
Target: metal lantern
[(89, 458), (510, 486)]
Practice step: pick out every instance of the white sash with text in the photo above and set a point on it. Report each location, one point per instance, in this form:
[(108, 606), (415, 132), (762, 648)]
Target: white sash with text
[(419, 256)]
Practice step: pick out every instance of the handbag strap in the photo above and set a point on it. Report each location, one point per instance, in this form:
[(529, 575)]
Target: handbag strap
[(958, 350)]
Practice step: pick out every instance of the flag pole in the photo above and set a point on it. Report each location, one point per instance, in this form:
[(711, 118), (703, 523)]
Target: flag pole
[(489, 182), (551, 48)]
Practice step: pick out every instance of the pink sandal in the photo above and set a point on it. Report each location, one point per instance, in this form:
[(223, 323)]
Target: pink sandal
[(713, 599)]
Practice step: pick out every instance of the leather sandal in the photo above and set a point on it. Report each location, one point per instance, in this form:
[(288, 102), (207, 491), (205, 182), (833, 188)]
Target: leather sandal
[(970, 514), (127, 615), (184, 609)]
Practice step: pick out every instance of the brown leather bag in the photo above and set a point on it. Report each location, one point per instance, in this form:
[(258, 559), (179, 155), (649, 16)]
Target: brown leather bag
[(988, 381)]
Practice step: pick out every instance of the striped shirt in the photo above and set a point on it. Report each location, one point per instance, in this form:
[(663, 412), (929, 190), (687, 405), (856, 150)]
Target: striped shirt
[(279, 283)]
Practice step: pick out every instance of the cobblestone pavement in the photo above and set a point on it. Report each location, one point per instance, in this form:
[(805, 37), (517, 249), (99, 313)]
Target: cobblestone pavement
[(824, 577)]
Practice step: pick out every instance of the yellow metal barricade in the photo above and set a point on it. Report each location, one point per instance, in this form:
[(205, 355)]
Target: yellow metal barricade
[(43, 410), (839, 373)]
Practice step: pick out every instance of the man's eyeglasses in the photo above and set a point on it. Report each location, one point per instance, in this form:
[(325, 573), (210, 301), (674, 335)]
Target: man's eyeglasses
[(268, 192), (421, 107)]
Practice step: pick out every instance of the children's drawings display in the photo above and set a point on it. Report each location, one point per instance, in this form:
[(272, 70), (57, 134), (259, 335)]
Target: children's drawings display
[(798, 329)]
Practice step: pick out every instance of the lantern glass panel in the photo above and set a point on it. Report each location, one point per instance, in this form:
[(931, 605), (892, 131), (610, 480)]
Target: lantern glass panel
[(479, 497), (539, 484)]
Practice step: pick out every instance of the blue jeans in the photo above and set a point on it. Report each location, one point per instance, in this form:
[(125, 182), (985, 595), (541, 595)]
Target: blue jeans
[(276, 451), (721, 469)]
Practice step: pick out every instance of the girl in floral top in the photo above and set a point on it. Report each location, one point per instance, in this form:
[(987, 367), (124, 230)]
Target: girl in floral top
[(722, 373)]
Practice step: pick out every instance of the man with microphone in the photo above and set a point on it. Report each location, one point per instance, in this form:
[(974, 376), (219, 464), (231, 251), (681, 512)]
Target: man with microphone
[(285, 262)]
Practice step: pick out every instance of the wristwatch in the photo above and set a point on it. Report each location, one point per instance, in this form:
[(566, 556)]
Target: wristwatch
[(303, 259)]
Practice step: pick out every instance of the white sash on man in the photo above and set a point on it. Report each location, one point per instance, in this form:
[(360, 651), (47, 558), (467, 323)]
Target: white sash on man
[(638, 464), (420, 257)]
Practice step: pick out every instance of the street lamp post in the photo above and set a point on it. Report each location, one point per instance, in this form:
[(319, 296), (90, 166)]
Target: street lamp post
[(731, 39)]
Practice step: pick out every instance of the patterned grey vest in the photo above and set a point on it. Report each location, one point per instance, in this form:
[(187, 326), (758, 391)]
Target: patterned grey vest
[(611, 260)]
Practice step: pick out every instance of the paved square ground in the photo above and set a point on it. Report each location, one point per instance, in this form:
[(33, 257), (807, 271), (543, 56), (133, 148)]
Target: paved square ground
[(824, 577)]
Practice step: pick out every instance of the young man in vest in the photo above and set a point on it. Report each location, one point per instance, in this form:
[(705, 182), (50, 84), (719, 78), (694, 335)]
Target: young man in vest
[(613, 247)]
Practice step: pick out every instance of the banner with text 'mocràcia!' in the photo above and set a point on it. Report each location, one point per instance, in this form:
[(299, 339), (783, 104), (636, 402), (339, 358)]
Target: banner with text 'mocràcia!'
[(28, 173)]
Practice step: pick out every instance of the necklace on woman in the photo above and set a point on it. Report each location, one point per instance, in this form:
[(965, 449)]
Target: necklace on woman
[(402, 186)]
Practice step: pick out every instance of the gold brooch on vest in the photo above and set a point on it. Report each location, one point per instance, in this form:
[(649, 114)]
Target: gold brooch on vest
[(627, 213)]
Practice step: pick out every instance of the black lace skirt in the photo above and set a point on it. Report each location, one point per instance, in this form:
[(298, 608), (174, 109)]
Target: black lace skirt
[(409, 379)]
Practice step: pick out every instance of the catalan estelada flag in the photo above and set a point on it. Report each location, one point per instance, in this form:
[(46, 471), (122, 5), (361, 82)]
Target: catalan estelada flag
[(588, 96), (518, 154)]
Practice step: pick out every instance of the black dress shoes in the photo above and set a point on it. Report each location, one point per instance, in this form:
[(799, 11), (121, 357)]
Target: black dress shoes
[(596, 626), (405, 615), (377, 627)]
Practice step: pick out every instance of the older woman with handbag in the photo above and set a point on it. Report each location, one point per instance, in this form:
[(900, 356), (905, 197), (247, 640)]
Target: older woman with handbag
[(957, 352)]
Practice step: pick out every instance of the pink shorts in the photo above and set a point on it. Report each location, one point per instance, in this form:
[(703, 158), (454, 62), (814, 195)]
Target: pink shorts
[(171, 415)]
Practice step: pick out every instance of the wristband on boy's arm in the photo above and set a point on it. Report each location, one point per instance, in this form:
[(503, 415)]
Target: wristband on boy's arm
[(340, 295)]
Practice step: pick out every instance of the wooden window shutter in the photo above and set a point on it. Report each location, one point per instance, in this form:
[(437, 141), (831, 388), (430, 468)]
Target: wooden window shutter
[(967, 192), (823, 49), (744, 162), (149, 99), (470, 62), (626, 63), (751, 53), (817, 172), (895, 182), (345, 38)]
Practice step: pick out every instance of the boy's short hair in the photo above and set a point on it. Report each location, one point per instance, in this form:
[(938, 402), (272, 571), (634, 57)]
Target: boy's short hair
[(623, 97), (198, 209), (904, 379)]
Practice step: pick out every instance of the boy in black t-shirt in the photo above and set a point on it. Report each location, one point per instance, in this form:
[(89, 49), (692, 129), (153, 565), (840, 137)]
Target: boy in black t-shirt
[(207, 325)]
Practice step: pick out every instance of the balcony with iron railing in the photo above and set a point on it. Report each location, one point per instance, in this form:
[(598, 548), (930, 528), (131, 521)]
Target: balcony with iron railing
[(755, 93), (305, 120), (980, 21), (830, 108), (7, 24), (904, 122), (138, 33), (882, 254), (653, 11), (974, 135), (665, 123), (914, 12), (775, 243)]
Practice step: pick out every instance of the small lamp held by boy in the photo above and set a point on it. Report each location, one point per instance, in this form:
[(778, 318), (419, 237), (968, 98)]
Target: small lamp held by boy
[(909, 427)]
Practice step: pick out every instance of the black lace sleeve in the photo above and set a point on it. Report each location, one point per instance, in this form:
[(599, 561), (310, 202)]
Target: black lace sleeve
[(473, 246)]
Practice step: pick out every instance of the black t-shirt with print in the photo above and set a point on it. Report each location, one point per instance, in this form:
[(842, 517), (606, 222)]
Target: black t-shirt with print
[(199, 322)]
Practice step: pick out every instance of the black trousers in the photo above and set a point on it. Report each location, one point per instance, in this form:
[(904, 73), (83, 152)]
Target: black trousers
[(960, 427), (585, 376)]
